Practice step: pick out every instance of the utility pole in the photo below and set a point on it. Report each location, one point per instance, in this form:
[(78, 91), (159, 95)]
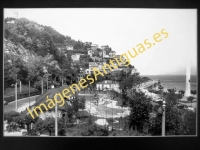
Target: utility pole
[(16, 94), (56, 115), (29, 92), (56, 120), (20, 87)]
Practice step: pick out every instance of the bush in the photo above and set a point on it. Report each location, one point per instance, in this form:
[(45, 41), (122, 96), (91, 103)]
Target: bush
[(11, 116), (95, 130)]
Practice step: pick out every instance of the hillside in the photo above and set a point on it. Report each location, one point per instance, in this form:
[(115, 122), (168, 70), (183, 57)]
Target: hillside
[(32, 50)]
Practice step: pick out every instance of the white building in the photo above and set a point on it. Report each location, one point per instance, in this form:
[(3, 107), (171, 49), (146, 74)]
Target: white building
[(90, 52), (70, 47), (76, 57), (134, 71), (112, 54), (95, 58), (92, 65), (108, 85), (94, 47), (12, 21)]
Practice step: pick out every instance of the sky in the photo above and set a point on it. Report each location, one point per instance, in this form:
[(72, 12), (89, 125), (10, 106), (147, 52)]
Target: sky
[(123, 29)]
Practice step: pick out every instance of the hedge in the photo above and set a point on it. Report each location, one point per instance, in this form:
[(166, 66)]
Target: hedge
[(21, 95)]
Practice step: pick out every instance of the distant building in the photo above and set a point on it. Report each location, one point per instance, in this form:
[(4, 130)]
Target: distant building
[(92, 65), (121, 63), (90, 52), (104, 47), (87, 43), (134, 71), (108, 85), (94, 47), (70, 47), (76, 57), (12, 21), (100, 53), (104, 54), (6, 50), (112, 54), (95, 58)]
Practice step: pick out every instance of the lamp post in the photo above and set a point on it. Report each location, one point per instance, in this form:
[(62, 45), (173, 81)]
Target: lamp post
[(112, 116), (56, 115), (163, 118)]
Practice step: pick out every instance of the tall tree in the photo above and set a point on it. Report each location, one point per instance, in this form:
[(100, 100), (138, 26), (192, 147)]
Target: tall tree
[(140, 108)]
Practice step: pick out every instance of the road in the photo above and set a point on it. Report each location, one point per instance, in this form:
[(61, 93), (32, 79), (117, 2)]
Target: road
[(20, 103)]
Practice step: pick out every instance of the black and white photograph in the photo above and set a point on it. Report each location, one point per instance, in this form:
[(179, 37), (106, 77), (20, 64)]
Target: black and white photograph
[(99, 72)]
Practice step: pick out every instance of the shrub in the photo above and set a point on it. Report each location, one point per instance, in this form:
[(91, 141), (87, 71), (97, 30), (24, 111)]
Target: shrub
[(11, 116), (95, 130)]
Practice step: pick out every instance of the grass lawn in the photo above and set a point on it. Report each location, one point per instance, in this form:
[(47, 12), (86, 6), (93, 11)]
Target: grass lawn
[(11, 91)]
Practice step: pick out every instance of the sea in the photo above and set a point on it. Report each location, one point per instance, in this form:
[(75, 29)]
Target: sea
[(175, 81)]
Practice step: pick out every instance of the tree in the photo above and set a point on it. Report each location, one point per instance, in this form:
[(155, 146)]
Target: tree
[(193, 92), (179, 96), (173, 118), (189, 123), (78, 103), (129, 81), (190, 99), (182, 92), (140, 108), (28, 120), (12, 67), (171, 99), (160, 87)]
